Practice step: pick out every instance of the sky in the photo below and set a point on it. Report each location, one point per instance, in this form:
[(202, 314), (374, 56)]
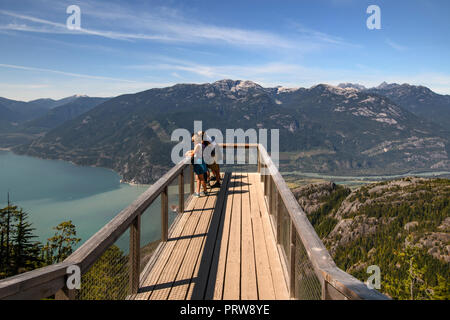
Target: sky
[(131, 46)]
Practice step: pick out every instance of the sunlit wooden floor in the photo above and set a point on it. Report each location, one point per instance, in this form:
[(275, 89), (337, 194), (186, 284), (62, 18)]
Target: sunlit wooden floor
[(221, 247)]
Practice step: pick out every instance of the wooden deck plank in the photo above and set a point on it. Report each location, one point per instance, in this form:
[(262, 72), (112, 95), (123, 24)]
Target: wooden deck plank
[(216, 281), (223, 249), (165, 281), (162, 260), (194, 250), (249, 289), (205, 264), (263, 273), (232, 285), (279, 281)]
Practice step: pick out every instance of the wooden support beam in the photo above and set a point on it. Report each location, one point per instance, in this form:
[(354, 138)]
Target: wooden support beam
[(266, 184), (263, 180), (66, 294), (279, 206), (292, 258), (164, 214), (258, 160), (192, 182), (181, 192), (134, 256), (270, 195), (324, 289)]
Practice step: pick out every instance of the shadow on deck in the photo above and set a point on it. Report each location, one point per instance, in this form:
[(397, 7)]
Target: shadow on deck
[(222, 247)]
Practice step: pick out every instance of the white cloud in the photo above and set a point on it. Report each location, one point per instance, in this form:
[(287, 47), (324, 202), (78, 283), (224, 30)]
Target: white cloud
[(165, 25), (24, 86), (395, 45), (70, 87), (70, 74), (321, 36), (58, 28)]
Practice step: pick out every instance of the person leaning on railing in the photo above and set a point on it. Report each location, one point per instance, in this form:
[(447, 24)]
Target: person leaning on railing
[(200, 168), (214, 167)]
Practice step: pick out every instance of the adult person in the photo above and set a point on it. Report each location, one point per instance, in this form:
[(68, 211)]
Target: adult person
[(214, 167), (199, 164)]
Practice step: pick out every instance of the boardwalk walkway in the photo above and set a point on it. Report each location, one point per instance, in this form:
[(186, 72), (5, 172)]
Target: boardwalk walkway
[(221, 247)]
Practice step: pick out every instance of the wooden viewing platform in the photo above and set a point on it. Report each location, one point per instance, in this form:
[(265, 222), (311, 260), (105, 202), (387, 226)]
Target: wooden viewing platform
[(222, 247), (248, 240)]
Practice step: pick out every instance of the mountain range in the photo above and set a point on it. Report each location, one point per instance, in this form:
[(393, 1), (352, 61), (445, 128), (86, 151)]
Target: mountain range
[(326, 129), (29, 110), (21, 121), (419, 100)]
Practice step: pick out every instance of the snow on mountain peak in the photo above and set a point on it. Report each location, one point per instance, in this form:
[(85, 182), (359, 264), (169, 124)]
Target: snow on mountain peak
[(236, 85), (285, 89), (352, 85), (335, 90)]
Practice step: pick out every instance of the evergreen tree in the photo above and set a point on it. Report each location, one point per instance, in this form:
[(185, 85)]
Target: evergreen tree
[(108, 277), (60, 246), (414, 267), (6, 229), (442, 290), (415, 281), (5, 252), (18, 250), (19, 253), (26, 251)]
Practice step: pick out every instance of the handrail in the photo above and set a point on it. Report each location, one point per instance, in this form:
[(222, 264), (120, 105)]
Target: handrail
[(324, 266), (42, 282), (46, 281), (86, 255)]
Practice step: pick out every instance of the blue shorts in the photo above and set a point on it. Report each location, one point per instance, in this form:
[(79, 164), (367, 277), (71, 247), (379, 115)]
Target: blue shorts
[(200, 168)]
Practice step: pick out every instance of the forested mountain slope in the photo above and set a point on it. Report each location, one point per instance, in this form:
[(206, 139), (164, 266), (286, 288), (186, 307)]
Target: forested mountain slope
[(326, 129), (402, 226)]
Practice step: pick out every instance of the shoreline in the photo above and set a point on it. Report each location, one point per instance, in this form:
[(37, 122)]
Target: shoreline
[(121, 180), (133, 184), (424, 174)]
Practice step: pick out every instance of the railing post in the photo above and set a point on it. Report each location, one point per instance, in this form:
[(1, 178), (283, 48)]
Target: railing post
[(262, 171), (192, 180), (263, 180), (292, 260), (66, 294), (324, 290), (266, 183), (278, 215), (258, 160), (181, 192), (135, 248), (272, 197), (267, 192), (164, 215)]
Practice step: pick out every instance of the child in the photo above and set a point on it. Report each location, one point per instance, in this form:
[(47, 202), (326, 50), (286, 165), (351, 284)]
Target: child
[(199, 164)]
